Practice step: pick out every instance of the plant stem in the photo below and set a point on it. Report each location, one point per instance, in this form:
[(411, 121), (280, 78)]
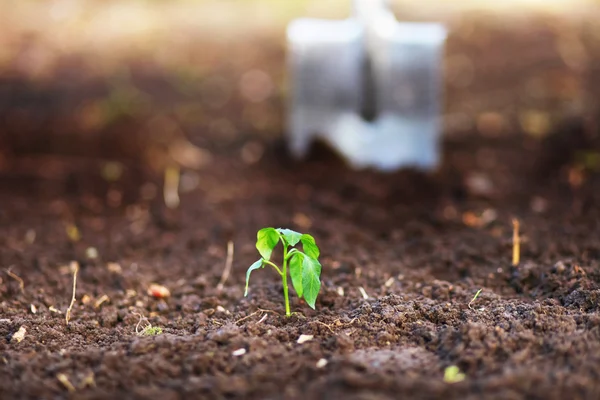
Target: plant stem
[(285, 285), (273, 265)]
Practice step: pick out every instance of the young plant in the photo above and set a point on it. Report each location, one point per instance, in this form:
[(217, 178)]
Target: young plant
[(304, 267)]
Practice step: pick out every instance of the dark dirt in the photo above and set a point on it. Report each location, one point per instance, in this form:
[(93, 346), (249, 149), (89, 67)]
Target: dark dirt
[(419, 245), (533, 332)]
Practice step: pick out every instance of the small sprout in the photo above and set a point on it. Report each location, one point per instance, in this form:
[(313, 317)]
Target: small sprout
[(148, 330), (62, 378), (151, 331), (474, 298), (158, 291), (19, 335), (453, 375), (75, 268), (304, 339), (516, 243), (239, 352), (363, 293), (304, 267), (321, 363), (33, 308)]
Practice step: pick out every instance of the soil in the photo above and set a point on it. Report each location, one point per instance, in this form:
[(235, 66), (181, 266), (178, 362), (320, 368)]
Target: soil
[(403, 257)]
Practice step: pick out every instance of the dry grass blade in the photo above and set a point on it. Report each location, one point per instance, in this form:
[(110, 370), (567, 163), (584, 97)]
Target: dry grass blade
[(516, 255), (171, 186), (18, 279), (228, 264), (259, 311), (75, 267), (62, 378), (137, 326)]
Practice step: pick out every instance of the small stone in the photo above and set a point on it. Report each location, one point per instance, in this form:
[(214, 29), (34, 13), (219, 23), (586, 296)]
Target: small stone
[(321, 363), (239, 352), (19, 335), (158, 291), (305, 338)]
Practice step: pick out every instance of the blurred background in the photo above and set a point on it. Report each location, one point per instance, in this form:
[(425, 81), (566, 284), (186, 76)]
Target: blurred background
[(147, 85)]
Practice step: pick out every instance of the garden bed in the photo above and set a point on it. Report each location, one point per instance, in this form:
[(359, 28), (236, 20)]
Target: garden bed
[(404, 255)]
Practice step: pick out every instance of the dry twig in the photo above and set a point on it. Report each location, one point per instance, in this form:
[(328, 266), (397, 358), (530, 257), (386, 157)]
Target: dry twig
[(228, 264), (18, 279), (336, 323), (516, 243), (171, 186), (62, 378), (75, 267), (259, 311)]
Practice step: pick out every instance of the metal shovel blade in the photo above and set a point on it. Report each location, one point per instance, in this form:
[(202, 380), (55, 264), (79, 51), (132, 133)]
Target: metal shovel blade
[(329, 64)]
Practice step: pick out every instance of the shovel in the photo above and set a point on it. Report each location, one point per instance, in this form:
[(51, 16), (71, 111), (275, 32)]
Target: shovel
[(369, 86)]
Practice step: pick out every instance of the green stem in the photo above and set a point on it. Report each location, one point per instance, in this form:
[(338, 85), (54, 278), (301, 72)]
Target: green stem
[(285, 285), (273, 265), (291, 253)]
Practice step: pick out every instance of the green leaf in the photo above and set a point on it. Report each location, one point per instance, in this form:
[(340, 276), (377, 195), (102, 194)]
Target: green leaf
[(310, 246), (291, 237), (311, 271), (266, 240), (296, 272), (258, 264)]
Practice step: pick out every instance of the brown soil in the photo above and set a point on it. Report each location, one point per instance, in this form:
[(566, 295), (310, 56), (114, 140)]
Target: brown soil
[(418, 246), (533, 332)]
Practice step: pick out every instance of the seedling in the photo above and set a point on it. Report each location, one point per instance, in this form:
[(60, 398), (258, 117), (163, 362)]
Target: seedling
[(304, 267), (452, 374), (147, 330), (151, 331), (474, 298)]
